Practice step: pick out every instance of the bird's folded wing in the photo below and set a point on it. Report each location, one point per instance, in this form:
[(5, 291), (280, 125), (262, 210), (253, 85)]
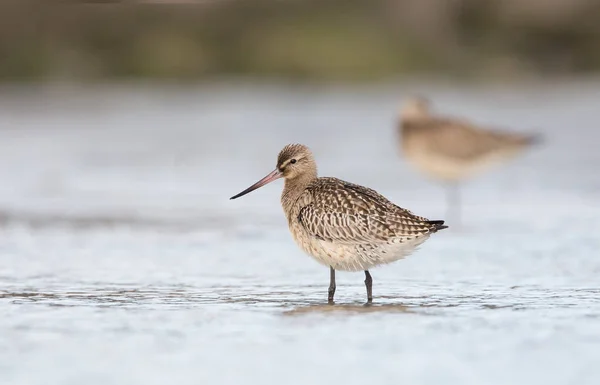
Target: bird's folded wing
[(461, 139), (352, 214)]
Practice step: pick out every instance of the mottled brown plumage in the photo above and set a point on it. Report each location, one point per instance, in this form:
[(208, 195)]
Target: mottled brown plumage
[(343, 225), (345, 213)]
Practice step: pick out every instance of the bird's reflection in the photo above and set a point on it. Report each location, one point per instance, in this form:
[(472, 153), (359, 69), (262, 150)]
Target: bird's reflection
[(355, 308)]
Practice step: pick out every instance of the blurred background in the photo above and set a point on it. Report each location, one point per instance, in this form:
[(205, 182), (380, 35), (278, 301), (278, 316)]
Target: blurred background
[(125, 126), (347, 40)]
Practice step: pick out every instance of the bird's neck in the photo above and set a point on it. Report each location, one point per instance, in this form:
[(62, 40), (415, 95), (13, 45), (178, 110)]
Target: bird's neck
[(411, 114), (292, 190)]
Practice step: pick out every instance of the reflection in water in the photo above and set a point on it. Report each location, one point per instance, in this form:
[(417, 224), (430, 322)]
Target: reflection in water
[(297, 300), (292, 302), (348, 309)]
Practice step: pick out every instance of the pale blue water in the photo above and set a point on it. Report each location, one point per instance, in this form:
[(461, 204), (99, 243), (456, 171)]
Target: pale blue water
[(122, 261)]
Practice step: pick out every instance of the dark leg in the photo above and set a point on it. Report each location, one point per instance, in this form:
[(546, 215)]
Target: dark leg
[(331, 291), (369, 285), (453, 204)]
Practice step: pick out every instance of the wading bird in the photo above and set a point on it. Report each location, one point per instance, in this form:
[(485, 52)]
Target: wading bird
[(452, 150), (343, 225)]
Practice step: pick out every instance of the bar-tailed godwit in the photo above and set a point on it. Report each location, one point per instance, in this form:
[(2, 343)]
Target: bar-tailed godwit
[(450, 149), (343, 225)]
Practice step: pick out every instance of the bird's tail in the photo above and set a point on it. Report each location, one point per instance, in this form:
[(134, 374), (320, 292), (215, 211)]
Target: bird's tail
[(437, 225), (532, 139)]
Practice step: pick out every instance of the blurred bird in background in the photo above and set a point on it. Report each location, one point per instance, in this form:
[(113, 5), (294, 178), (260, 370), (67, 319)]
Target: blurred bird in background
[(451, 150)]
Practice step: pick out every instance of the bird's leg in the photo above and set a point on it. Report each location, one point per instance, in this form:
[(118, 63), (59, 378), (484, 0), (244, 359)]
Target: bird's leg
[(369, 285), (331, 290), (453, 204)]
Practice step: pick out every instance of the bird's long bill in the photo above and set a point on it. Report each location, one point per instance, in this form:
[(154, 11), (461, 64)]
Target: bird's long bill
[(276, 174)]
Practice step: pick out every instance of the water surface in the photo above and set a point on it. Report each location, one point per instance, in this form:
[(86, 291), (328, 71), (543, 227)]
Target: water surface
[(122, 261)]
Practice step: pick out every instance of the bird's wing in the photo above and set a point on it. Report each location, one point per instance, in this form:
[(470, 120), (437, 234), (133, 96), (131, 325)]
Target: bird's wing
[(345, 213), (462, 140)]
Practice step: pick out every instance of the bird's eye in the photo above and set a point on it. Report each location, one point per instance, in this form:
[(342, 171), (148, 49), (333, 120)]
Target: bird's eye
[(293, 161)]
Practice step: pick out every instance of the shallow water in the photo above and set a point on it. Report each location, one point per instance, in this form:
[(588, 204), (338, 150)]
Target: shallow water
[(122, 261)]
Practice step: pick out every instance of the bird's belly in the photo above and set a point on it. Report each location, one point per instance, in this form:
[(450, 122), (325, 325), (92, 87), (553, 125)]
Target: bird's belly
[(356, 257), (449, 168), (329, 256), (439, 166)]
